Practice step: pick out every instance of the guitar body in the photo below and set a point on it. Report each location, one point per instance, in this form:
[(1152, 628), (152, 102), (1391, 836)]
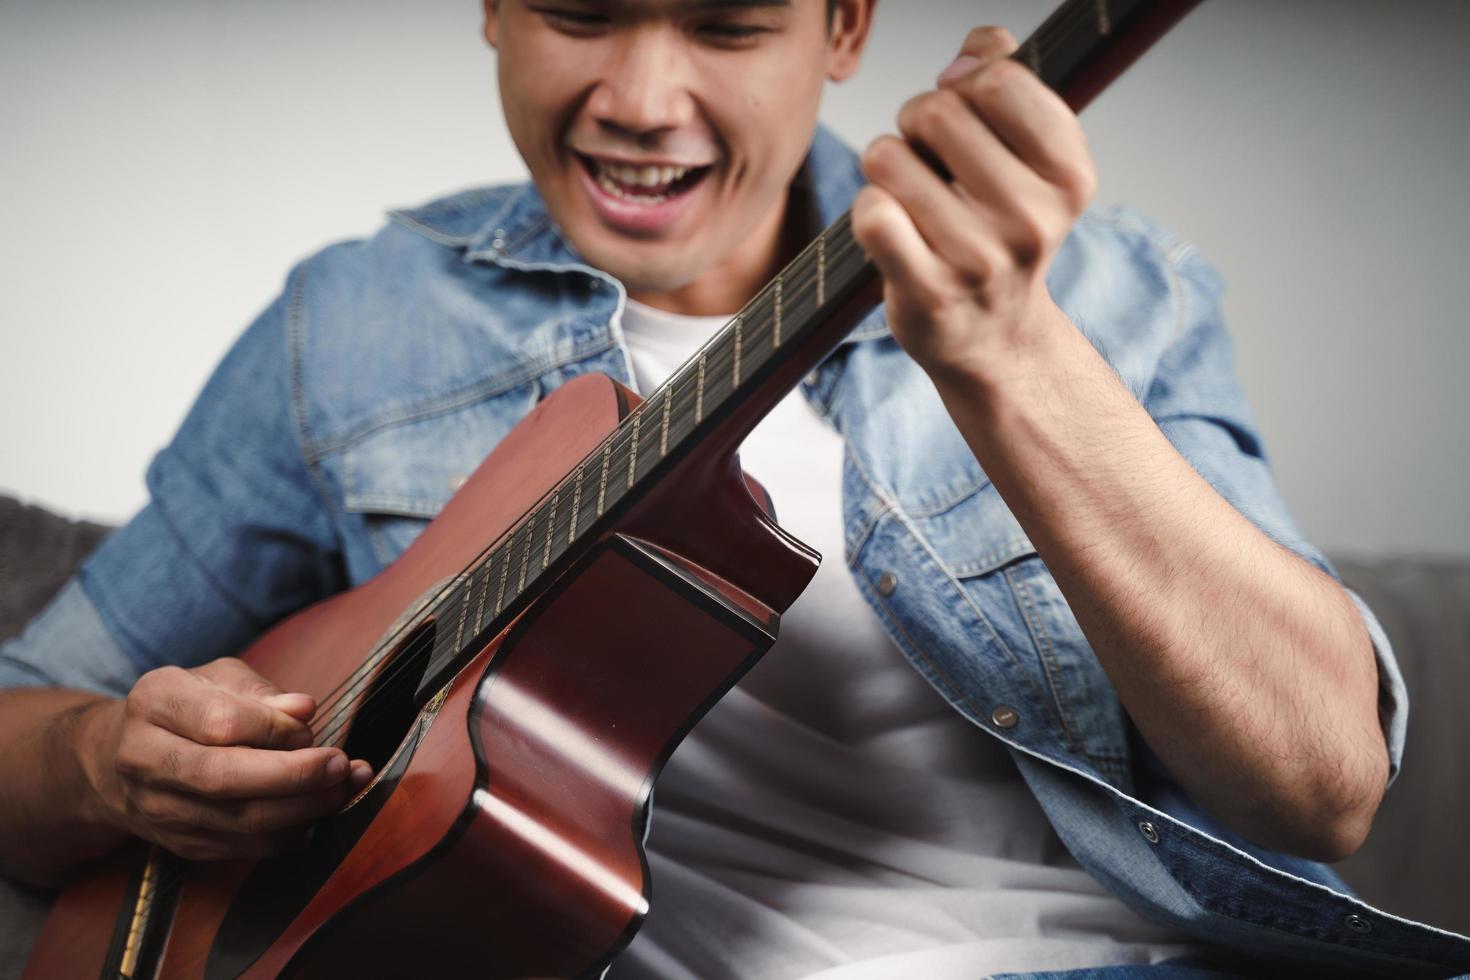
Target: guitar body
[(503, 832)]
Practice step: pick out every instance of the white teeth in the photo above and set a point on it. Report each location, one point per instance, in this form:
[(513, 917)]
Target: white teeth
[(630, 176), (621, 191)]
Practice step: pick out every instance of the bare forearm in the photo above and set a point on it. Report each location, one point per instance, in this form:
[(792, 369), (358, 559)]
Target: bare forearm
[(1248, 671), (49, 818)]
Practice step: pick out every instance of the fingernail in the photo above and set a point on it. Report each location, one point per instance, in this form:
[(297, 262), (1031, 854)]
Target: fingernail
[(959, 67), (290, 703), (362, 773), (337, 766)]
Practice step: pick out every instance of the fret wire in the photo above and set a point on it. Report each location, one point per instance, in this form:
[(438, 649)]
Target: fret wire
[(602, 486), (663, 439), (504, 571), (484, 594), (738, 327), (633, 456), (464, 608), (551, 529), (822, 269), (1061, 30), (526, 553), (792, 303), (776, 342), (576, 505), (699, 391)]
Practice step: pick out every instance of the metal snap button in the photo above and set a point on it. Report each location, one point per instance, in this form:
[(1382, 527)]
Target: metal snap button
[(1357, 923), (455, 482), (1005, 717), (1149, 832), (887, 582)]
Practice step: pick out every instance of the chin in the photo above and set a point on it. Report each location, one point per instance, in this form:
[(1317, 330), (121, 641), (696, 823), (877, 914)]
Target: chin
[(642, 266)]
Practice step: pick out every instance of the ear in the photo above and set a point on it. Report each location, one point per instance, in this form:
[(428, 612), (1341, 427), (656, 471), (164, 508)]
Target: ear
[(492, 23), (847, 37)]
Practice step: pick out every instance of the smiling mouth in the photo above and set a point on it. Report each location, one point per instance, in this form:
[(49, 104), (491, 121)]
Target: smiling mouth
[(642, 184)]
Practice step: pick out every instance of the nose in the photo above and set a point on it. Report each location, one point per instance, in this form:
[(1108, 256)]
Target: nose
[(643, 91)]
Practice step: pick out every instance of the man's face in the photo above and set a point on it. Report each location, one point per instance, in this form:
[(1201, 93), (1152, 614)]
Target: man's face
[(662, 133)]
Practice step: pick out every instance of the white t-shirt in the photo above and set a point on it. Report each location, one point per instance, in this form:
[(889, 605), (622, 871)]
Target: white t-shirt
[(832, 816)]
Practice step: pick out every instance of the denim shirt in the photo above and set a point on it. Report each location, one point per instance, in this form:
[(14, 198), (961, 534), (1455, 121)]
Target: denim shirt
[(349, 412)]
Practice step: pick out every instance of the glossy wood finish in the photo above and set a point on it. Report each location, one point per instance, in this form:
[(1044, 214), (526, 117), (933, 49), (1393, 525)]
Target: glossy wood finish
[(441, 824), (511, 843)]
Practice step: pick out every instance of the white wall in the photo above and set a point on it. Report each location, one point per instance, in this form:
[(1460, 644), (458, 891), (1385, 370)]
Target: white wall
[(164, 163)]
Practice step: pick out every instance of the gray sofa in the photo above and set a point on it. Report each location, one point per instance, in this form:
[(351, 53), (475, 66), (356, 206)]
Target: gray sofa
[(1416, 863)]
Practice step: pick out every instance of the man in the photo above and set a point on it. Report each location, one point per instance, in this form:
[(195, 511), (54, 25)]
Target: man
[(1192, 705)]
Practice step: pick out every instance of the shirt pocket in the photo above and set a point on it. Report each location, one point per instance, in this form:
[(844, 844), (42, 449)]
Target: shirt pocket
[(397, 478), (983, 547)]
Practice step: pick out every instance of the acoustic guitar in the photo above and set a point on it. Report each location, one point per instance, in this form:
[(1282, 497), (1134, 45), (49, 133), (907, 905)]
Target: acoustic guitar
[(515, 744)]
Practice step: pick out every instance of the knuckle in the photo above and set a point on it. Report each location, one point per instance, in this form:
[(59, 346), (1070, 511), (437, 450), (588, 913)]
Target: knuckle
[(253, 819), (171, 764), (865, 217), (989, 38), (1079, 184), (882, 157), (935, 113), (129, 762), (219, 723), (990, 85), (308, 775), (1029, 238), (210, 777), (977, 266)]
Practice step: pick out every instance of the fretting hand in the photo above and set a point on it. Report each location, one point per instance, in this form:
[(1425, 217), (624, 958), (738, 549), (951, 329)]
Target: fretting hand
[(964, 262)]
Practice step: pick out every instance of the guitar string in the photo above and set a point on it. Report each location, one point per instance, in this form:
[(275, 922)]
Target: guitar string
[(464, 595), (373, 705), (171, 878), (1054, 32), (680, 376), (458, 591)]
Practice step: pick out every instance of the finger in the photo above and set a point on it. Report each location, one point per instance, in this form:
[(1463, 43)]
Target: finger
[(235, 675), (981, 46), (947, 125), (239, 677), (194, 707), (947, 222), (161, 758), (1034, 123), (1013, 200), (888, 236)]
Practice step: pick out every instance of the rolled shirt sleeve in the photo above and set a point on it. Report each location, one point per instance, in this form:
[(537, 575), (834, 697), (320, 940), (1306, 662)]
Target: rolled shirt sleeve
[(1199, 406), (234, 537)]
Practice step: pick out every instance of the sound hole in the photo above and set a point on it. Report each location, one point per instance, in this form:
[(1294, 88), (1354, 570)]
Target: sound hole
[(388, 711)]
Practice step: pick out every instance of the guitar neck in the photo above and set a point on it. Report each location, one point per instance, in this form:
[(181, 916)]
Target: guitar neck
[(714, 400)]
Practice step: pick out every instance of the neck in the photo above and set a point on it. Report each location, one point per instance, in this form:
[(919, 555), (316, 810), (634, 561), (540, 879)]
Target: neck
[(729, 284)]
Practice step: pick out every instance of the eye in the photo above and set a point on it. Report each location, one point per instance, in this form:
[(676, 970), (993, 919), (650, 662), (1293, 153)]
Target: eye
[(578, 22), (729, 32)]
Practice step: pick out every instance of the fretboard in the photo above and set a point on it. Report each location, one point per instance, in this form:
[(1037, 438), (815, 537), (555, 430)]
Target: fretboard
[(784, 331)]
